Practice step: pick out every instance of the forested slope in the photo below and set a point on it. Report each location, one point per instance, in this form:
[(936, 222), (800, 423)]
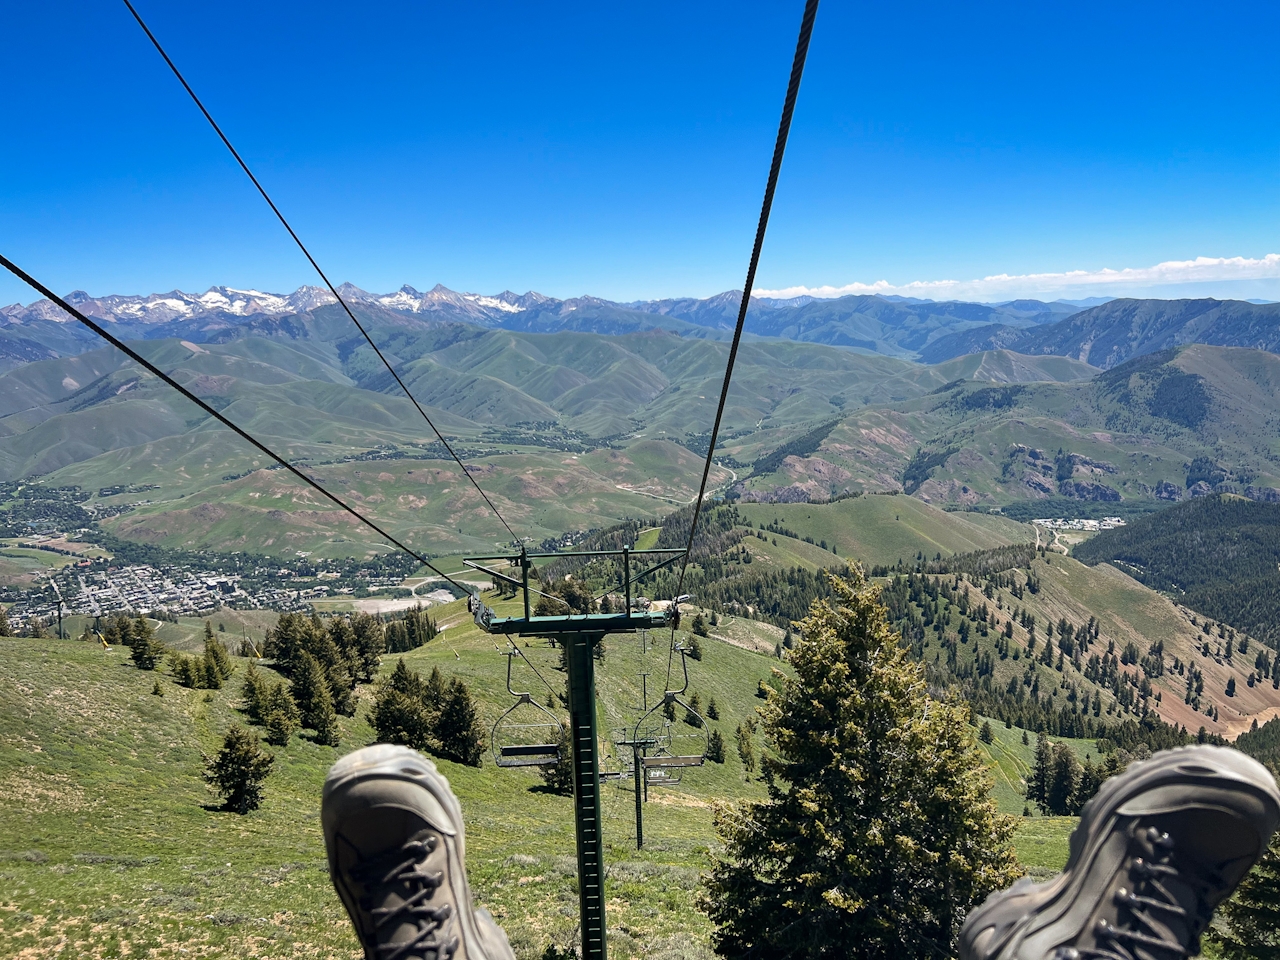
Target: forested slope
[(1220, 555)]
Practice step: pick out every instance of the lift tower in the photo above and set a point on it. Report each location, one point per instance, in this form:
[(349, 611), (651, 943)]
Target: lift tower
[(579, 634)]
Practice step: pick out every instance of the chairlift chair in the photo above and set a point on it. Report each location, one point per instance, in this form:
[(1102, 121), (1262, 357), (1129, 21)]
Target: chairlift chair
[(678, 750), (526, 743)]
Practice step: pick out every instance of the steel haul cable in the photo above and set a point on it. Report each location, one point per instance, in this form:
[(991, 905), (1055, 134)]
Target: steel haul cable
[(240, 431), (307, 253), (780, 148)]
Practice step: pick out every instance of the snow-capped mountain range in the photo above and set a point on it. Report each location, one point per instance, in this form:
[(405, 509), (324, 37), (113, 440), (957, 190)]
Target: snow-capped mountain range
[(895, 326), (232, 302)]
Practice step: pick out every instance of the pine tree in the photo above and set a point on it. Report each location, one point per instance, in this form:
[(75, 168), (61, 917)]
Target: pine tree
[(699, 628), (985, 733), (370, 645), (216, 664), (146, 650), (1041, 773), (157, 690), (830, 859), (715, 747), (458, 730), (1063, 782), (746, 751), (692, 713), (434, 691), (217, 660), (187, 671), (713, 711), (399, 713), (254, 693), (326, 724), (694, 647), (669, 709), (1250, 927), (1091, 778), (310, 691), (238, 770), (558, 776), (280, 716)]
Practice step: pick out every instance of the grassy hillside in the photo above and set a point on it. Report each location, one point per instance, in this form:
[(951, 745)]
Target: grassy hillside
[(1129, 434), (109, 845), (886, 529), (575, 431)]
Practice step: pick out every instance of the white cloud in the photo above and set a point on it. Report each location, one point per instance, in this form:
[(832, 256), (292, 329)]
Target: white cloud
[(1225, 274)]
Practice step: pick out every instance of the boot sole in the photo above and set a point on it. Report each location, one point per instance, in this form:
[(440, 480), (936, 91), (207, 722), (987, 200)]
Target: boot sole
[(386, 761), (1201, 765)]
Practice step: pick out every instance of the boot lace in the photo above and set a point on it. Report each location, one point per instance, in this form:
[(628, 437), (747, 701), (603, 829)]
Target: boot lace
[(1147, 934), (405, 868)]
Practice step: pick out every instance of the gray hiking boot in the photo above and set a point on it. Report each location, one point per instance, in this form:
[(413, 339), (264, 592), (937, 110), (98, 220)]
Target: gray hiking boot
[(1156, 851), (393, 831)]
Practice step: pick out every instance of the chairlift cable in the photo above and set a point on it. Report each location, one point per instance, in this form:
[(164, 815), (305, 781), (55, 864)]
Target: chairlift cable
[(240, 431), (780, 147), (307, 253), (536, 671)]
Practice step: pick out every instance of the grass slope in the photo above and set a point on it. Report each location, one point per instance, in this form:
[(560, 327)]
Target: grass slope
[(108, 848), (886, 529)]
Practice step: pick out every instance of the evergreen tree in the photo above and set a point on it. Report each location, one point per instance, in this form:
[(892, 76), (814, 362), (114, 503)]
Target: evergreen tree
[(280, 716), (669, 709), (558, 776), (215, 664), (146, 650), (1064, 781), (187, 671), (238, 770), (746, 751), (399, 713), (326, 724), (713, 711), (985, 733), (459, 730), (715, 747), (879, 829), (1250, 927), (692, 713), (157, 690), (370, 645), (217, 660), (310, 691), (254, 693), (1041, 773), (694, 647), (699, 628), (1091, 777), (344, 640), (434, 691)]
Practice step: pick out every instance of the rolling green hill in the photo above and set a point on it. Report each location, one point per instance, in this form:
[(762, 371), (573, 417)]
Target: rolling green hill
[(100, 777)]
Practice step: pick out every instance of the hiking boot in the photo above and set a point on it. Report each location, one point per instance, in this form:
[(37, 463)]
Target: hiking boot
[(1155, 852), (393, 831)]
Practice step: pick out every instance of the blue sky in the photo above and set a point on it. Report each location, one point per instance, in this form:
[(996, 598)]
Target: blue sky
[(621, 150)]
